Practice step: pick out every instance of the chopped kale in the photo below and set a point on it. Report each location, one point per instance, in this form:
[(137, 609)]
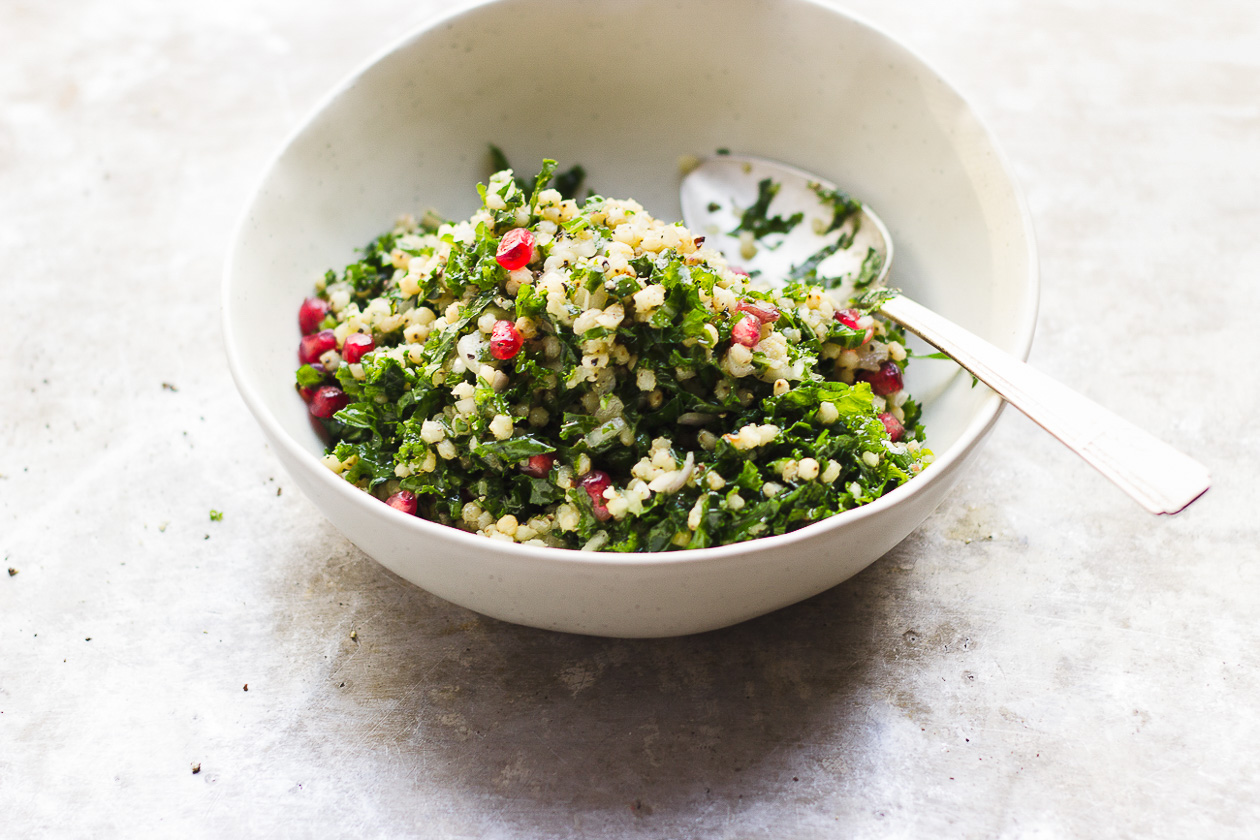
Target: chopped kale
[(757, 219), (567, 183), (843, 206)]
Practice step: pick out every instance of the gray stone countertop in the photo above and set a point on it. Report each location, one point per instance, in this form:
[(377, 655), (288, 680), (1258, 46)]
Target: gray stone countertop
[(1041, 659)]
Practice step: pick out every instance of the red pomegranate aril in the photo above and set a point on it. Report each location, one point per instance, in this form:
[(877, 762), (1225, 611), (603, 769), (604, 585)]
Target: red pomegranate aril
[(893, 426), (885, 381), (763, 311), (848, 317), (505, 340), (312, 346), (311, 313), (307, 394), (356, 346), (403, 500), (851, 318), (516, 249), (538, 466), (595, 483), (327, 401), (747, 331)]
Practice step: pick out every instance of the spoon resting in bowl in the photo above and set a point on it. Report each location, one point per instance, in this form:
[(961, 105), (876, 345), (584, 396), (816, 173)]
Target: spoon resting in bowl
[(848, 238)]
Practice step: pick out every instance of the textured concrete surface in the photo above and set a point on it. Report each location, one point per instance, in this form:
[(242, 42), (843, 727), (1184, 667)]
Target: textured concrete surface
[(1041, 659)]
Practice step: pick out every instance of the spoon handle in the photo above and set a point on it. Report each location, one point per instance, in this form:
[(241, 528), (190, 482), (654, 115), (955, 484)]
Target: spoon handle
[(1157, 476)]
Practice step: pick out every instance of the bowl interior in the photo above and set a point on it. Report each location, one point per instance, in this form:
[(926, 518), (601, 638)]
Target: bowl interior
[(626, 89)]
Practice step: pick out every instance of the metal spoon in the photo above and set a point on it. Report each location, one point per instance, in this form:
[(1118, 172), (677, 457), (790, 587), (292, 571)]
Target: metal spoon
[(716, 191)]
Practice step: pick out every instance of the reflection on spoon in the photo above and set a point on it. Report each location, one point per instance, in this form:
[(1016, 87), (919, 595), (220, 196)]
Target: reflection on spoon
[(718, 193)]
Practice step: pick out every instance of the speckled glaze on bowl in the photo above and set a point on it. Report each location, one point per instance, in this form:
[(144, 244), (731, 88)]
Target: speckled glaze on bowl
[(626, 88)]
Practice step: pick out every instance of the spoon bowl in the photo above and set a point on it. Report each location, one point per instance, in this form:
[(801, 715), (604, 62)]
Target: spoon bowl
[(715, 193), (803, 225)]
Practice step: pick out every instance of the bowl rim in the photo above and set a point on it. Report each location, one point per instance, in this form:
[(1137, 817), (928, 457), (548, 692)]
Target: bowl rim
[(944, 464)]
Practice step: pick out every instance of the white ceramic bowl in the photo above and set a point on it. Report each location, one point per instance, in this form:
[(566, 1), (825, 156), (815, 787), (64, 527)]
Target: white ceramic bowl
[(625, 89)]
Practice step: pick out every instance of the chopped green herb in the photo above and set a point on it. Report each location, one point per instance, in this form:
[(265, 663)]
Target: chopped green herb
[(872, 265), (757, 219), (843, 206), (567, 183)]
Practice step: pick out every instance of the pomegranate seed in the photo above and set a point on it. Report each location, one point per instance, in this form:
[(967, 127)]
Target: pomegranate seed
[(763, 311), (893, 426), (538, 466), (516, 249), (311, 313), (885, 381), (738, 270), (850, 318), (747, 331), (312, 346), (307, 394), (328, 400), (403, 500), (505, 340), (356, 346), (595, 483)]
